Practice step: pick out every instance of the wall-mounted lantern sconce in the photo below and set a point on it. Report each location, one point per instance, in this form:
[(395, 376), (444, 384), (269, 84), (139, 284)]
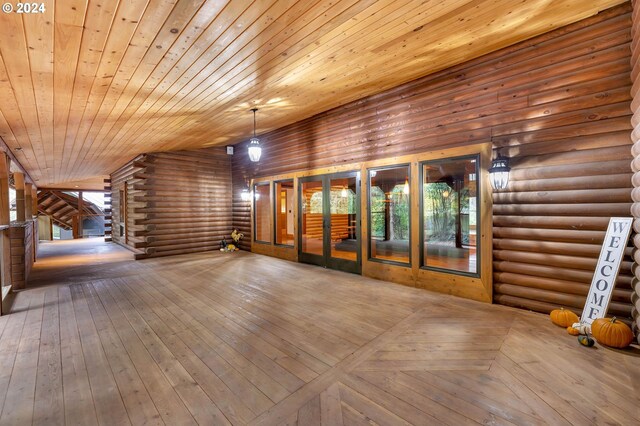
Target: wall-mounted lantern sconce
[(245, 195), (499, 173), (255, 151)]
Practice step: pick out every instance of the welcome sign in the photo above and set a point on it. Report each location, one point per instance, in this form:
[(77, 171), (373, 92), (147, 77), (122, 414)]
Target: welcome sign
[(607, 269)]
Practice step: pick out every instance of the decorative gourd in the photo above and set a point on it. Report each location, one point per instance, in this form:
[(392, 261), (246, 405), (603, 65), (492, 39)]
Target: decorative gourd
[(611, 332), (586, 341), (563, 318), (573, 331), (582, 328)]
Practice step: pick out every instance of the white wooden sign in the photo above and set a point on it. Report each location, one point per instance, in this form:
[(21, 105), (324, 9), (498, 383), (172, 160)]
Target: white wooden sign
[(604, 278)]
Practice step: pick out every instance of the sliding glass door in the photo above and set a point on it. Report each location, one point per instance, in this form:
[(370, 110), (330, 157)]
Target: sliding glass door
[(329, 229)]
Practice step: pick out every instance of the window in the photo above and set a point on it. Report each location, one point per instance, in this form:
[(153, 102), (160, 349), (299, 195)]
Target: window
[(390, 214), (450, 217), (284, 212), (262, 201)]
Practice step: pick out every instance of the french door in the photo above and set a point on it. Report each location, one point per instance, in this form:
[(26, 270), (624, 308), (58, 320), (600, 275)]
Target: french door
[(329, 215)]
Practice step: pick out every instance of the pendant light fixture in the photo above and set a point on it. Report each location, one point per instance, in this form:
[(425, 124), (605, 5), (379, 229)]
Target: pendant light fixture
[(254, 144), (499, 173), (405, 189)]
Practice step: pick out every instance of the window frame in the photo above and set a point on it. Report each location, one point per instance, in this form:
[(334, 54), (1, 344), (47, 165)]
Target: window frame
[(409, 263), (275, 212), (255, 212), (479, 189)]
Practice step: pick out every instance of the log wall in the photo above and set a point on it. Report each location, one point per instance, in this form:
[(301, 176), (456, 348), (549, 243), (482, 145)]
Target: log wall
[(635, 137), (558, 105), (177, 202), (23, 251), (122, 183)]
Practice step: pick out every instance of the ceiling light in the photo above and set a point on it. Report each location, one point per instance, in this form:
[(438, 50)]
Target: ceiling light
[(254, 144)]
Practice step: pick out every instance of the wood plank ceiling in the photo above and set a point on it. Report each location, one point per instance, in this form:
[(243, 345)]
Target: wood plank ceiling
[(88, 85)]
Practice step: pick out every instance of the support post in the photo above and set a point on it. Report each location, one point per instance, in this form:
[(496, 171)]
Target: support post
[(80, 211), (28, 201), (18, 181), (34, 200), (5, 240)]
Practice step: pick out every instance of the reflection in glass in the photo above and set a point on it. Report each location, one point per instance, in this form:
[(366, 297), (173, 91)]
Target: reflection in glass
[(93, 222), (284, 212), (389, 214), (344, 244), (450, 219), (312, 220), (261, 212)]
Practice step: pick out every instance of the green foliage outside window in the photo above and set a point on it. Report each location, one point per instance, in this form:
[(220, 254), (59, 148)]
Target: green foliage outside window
[(399, 213)]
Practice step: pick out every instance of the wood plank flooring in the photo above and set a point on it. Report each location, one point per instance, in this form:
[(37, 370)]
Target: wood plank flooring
[(245, 339)]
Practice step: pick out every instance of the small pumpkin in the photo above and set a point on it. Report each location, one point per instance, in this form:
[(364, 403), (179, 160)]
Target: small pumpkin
[(611, 332), (563, 317), (586, 341), (573, 331)]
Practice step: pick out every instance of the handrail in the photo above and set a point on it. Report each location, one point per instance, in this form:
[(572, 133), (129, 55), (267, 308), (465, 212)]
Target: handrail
[(5, 288)]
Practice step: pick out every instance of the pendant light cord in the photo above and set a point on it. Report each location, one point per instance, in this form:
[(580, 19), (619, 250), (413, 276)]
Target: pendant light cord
[(254, 121)]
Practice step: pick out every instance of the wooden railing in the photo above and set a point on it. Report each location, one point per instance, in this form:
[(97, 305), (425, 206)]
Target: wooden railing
[(5, 265)]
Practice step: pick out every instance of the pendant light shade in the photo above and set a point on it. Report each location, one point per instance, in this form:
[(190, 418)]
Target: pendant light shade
[(255, 151), (499, 173), (405, 189)]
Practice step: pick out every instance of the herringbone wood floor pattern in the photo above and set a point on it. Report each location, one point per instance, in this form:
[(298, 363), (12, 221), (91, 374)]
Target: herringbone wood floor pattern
[(246, 339)]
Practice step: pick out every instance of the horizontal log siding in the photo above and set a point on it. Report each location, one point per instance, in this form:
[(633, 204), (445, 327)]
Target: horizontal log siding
[(635, 137), (183, 203), (120, 178), (558, 104)]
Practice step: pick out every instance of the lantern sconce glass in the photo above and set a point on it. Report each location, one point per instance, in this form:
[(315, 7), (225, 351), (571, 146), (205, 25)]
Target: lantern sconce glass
[(499, 173), (245, 195), (255, 151)]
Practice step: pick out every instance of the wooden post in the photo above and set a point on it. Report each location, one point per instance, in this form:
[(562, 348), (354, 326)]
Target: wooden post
[(28, 201), (34, 200), (80, 209), (5, 219), (18, 181)]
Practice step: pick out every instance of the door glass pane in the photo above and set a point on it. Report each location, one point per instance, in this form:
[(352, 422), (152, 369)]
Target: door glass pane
[(389, 214), (344, 243), (312, 229), (262, 202), (450, 197), (284, 212)]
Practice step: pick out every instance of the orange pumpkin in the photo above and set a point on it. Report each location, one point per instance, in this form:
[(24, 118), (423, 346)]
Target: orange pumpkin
[(611, 332), (573, 331), (563, 318)]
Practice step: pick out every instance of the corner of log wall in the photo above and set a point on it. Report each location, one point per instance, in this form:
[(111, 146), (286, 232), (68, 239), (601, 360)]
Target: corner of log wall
[(635, 165)]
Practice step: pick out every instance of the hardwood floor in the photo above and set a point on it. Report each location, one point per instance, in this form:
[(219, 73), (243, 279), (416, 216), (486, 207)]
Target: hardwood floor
[(240, 338)]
